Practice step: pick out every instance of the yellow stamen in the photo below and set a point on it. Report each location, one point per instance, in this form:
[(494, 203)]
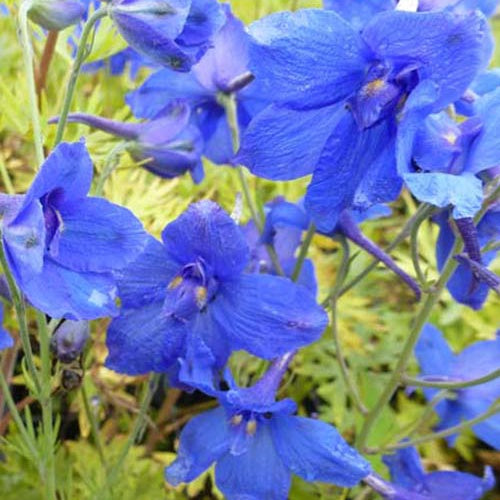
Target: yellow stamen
[(201, 296), (251, 428), (236, 419), (175, 282), (451, 137), (374, 86)]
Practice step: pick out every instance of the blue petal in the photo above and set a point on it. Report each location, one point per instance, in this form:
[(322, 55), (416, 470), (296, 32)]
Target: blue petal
[(284, 144), (213, 124), (349, 153), (445, 47), (159, 91), (315, 451), (444, 485), (405, 468), (63, 293), (358, 12), (268, 315), (6, 340), (68, 169), (98, 236), (203, 441), (146, 279), (463, 192), (433, 352), (256, 474), (485, 150), (307, 59), (205, 230), (143, 340)]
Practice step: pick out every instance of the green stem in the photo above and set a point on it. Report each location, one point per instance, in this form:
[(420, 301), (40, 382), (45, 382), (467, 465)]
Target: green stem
[(444, 433), (414, 252), (81, 55), (451, 385), (20, 309), (111, 163), (344, 370), (137, 431), (304, 249), (422, 213), (94, 427), (46, 403), (404, 358), (30, 76), (17, 417)]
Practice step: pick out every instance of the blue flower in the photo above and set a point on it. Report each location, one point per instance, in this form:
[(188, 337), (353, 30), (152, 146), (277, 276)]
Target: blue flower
[(56, 14), (257, 443), (62, 245), (6, 340), (464, 286), (168, 146), (174, 33), (189, 298), (337, 94), (69, 339), (436, 361), (441, 160), (411, 482), (222, 70)]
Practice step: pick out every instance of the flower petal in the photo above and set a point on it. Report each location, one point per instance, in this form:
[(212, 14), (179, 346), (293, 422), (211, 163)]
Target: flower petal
[(256, 474), (267, 315), (63, 293), (433, 352), (405, 468), (205, 230), (358, 12), (306, 59), (203, 441), (444, 485), (284, 144), (98, 236), (315, 451), (143, 340)]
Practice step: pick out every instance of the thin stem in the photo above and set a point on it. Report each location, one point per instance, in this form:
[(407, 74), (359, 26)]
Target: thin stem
[(137, 431), (46, 403), (304, 249), (20, 309), (111, 163), (344, 370), (416, 382), (81, 55), (444, 433), (422, 213), (414, 252), (7, 182), (30, 76), (406, 353), (17, 417), (94, 426)]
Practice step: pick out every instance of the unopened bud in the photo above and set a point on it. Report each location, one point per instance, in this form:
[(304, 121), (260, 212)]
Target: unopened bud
[(55, 15), (69, 340)]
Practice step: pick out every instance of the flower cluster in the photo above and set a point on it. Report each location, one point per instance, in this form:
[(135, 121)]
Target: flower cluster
[(369, 97)]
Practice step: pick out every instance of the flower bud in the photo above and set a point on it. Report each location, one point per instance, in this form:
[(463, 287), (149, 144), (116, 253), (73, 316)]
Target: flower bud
[(69, 340), (55, 15)]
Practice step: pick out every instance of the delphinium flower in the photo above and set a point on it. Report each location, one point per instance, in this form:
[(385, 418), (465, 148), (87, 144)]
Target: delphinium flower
[(168, 146), (411, 482), (257, 443), (338, 94), (56, 14), (285, 223), (69, 339), (222, 70), (62, 246), (438, 362), (174, 33), (6, 340), (471, 281), (189, 298)]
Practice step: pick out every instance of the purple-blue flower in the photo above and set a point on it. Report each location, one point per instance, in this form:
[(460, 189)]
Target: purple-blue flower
[(337, 93), (69, 339), (257, 444), (6, 340), (174, 33), (222, 70), (411, 482), (56, 14), (465, 285), (62, 246), (189, 298), (168, 146), (438, 362)]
